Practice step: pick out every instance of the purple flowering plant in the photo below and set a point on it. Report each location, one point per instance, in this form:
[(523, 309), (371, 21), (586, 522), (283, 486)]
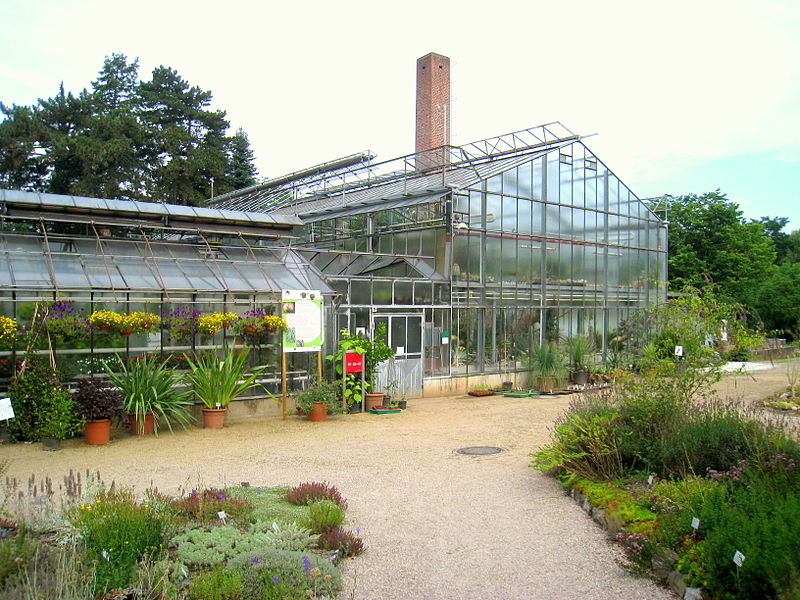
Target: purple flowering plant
[(182, 322), (64, 318)]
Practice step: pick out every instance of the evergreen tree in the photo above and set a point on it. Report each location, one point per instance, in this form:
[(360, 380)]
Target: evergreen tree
[(21, 166), (187, 140), (241, 171)]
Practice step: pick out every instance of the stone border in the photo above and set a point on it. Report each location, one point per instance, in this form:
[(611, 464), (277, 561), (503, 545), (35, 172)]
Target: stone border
[(664, 559)]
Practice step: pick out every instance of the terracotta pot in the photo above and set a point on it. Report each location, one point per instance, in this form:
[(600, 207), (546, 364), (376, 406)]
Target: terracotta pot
[(248, 329), (97, 432), (226, 324), (372, 399), (214, 418), (318, 413), (104, 326), (145, 428), (126, 332)]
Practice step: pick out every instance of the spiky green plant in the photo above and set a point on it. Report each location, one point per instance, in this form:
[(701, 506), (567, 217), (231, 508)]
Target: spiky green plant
[(150, 386), (217, 381)]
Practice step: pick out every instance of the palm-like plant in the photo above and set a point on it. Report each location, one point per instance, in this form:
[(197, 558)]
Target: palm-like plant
[(150, 386), (547, 361), (217, 381), (579, 349)]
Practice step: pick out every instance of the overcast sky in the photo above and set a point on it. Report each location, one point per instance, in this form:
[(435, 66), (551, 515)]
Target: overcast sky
[(685, 96)]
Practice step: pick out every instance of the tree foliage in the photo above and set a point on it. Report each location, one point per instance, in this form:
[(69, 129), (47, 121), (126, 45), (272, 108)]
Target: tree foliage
[(709, 241), (155, 140)]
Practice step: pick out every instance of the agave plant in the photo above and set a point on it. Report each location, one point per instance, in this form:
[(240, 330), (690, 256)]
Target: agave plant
[(150, 386), (217, 381)]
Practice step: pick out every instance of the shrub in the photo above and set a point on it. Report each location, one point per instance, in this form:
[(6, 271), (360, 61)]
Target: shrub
[(53, 573), (308, 493), (323, 516), (211, 547), (15, 551), (207, 504), (289, 536), (116, 533), (344, 541), (585, 442), (42, 407), (219, 584), (95, 399), (260, 567)]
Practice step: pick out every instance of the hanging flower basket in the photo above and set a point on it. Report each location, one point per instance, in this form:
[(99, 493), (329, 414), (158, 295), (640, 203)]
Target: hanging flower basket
[(64, 318)]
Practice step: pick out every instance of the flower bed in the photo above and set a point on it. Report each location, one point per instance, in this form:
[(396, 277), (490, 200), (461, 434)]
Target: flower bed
[(210, 543)]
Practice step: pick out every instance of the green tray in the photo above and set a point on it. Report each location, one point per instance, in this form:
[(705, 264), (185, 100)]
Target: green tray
[(385, 410), (523, 394)]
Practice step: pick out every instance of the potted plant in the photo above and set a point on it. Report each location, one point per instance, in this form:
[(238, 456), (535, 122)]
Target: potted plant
[(97, 403), (547, 365), (216, 381), (258, 321), (64, 318), (143, 321), (181, 323), (480, 390), (319, 399), (43, 408), (211, 323), (150, 394), (375, 351), (579, 350)]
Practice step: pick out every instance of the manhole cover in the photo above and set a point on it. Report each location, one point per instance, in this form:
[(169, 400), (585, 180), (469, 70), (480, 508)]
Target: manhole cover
[(479, 450)]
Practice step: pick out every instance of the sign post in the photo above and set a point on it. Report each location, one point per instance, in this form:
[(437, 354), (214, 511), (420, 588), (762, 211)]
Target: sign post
[(353, 362), (302, 311)]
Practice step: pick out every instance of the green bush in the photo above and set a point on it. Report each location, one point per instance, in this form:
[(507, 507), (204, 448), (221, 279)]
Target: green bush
[(289, 536), (269, 504), (42, 406), (15, 551), (211, 547), (117, 533), (265, 566), (219, 584), (323, 516)]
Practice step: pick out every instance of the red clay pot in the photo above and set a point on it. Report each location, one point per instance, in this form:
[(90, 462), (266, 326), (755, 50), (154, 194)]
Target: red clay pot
[(372, 399), (318, 413), (141, 429), (97, 432), (214, 418)]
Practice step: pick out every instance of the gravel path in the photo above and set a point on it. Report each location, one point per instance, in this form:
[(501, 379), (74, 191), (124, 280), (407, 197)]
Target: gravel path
[(438, 525)]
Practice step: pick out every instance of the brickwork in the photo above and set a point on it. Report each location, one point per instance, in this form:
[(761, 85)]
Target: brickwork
[(433, 102)]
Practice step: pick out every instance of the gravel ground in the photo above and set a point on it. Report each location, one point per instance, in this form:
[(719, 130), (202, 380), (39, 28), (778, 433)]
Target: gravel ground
[(438, 525)]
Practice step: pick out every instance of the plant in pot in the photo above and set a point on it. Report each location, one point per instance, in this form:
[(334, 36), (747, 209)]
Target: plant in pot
[(211, 323), (98, 404), (579, 351), (547, 366), (106, 320), (150, 394), (259, 321), (480, 390), (216, 381), (319, 399), (375, 351), (64, 318), (43, 408)]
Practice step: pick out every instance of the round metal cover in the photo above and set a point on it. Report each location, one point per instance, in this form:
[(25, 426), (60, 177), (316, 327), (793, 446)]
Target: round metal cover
[(479, 450)]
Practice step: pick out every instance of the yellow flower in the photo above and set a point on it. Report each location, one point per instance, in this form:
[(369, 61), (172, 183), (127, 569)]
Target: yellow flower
[(8, 328)]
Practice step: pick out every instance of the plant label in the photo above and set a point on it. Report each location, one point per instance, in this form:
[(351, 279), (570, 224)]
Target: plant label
[(650, 480), (738, 558), (184, 572), (678, 350), (695, 523), (6, 410), (401, 350), (222, 515), (105, 553), (218, 405)]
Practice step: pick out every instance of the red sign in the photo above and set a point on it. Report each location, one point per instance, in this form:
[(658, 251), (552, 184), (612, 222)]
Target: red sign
[(353, 362)]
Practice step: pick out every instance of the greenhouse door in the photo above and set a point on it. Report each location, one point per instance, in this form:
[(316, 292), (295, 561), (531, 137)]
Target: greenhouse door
[(405, 338)]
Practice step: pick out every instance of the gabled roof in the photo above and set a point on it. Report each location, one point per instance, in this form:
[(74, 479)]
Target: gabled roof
[(409, 179)]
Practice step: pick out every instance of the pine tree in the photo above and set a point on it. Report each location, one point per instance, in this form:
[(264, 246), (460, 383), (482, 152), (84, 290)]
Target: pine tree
[(241, 171)]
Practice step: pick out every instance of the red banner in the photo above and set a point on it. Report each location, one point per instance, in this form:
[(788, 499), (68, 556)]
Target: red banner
[(353, 362)]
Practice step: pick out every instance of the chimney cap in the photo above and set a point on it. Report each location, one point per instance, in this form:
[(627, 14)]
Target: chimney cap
[(431, 55)]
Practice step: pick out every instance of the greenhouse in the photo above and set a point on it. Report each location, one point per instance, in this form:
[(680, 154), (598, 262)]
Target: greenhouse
[(474, 254)]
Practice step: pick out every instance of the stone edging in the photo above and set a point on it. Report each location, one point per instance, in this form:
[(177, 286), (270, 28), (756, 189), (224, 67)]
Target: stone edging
[(664, 559)]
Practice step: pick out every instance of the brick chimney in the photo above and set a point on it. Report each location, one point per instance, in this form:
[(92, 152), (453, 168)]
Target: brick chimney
[(433, 109)]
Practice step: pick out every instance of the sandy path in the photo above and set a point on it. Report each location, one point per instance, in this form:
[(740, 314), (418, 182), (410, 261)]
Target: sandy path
[(438, 525)]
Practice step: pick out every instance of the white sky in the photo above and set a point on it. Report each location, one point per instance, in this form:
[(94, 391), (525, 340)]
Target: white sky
[(685, 96)]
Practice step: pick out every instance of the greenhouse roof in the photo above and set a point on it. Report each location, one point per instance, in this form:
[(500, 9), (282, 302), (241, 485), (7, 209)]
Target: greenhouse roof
[(51, 262), (409, 179)]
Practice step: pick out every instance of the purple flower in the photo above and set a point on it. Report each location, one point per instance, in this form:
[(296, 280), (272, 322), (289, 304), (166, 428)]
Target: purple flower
[(275, 579), (306, 564), (255, 559)]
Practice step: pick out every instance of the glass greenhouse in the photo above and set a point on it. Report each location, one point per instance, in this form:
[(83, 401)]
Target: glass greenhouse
[(470, 255)]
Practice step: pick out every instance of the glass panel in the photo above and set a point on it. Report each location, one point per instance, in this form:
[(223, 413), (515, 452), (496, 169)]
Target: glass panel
[(403, 292), (414, 335)]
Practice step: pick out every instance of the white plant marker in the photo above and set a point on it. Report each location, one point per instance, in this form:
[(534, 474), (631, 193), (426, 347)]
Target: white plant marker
[(695, 523), (222, 515), (650, 480), (738, 558)]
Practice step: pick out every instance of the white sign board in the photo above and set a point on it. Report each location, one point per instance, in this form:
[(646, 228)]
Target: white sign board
[(302, 311), (6, 410)]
